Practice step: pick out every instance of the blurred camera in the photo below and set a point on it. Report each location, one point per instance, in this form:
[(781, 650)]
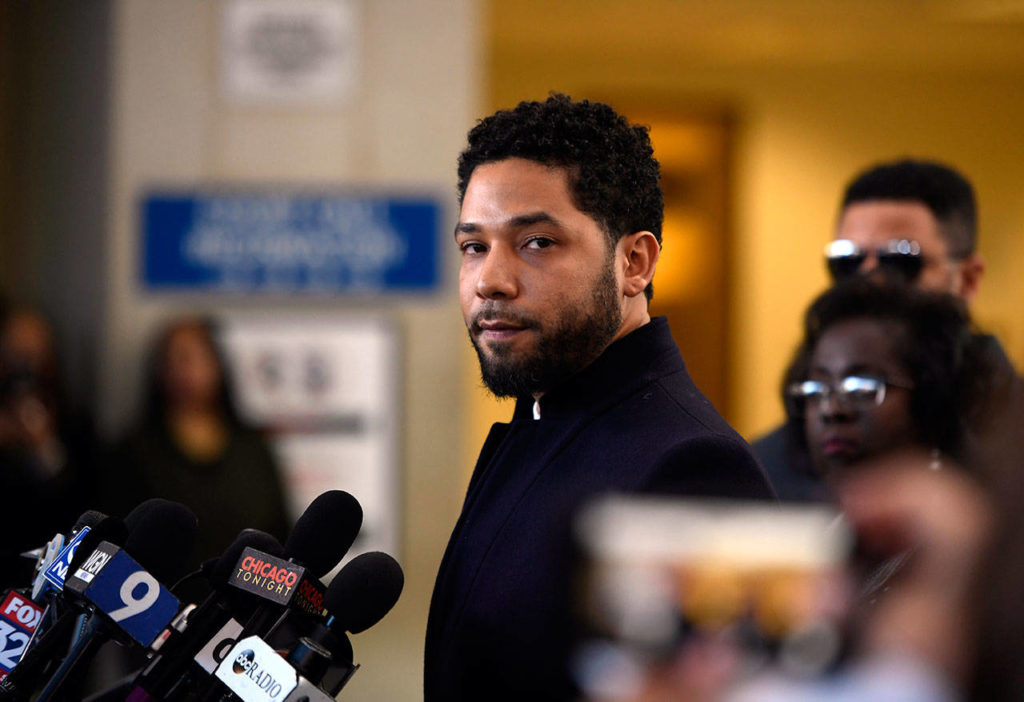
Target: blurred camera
[(658, 574)]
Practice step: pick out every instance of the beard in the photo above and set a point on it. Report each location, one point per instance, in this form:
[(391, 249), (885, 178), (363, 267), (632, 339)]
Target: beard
[(573, 340)]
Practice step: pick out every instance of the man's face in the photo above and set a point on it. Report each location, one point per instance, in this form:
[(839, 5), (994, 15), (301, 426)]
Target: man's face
[(540, 294), (870, 225)]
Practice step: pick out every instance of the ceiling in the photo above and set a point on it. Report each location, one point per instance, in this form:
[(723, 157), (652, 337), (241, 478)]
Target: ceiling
[(953, 35)]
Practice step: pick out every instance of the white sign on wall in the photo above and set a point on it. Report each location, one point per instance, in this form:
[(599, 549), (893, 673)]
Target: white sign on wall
[(327, 390), (290, 51)]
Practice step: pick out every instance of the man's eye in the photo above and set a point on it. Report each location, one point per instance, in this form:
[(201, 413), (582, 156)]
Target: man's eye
[(539, 243), (472, 248)]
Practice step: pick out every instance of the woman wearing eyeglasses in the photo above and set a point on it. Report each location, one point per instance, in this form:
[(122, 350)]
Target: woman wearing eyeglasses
[(889, 385), (883, 368)]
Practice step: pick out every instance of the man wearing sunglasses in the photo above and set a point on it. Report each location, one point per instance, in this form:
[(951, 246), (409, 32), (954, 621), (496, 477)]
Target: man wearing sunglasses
[(910, 221)]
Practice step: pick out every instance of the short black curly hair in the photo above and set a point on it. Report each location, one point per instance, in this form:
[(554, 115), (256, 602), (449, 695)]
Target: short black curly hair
[(613, 175), (934, 339)]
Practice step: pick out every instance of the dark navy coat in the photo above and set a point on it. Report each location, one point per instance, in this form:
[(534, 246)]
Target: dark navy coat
[(500, 624)]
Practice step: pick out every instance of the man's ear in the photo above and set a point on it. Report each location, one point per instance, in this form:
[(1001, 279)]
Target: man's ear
[(638, 254), (971, 270)]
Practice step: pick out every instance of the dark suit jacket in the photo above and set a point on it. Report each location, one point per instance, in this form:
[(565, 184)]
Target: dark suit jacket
[(500, 624)]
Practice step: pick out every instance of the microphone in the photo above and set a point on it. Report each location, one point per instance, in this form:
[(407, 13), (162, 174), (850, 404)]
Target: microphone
[(317, 542), (48, 640), (207, 624), (325, 532), (161, 534), (42, 553), (321, 537), (320, 663), (22, 611), (50, 578), (122, 597), (364, 591), (19, 618)]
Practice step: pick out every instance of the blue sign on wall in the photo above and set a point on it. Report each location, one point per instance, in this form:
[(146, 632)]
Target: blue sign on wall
[(266, 242)]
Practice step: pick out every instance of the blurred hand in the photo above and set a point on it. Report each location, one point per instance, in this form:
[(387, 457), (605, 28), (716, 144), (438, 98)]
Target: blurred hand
[(36, 425), (942, 519), (701, 671)]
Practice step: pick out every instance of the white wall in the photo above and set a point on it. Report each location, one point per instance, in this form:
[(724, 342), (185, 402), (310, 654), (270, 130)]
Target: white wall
[(171, 125)]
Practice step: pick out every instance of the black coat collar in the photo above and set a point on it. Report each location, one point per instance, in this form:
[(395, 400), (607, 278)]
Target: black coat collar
[(636, 359)]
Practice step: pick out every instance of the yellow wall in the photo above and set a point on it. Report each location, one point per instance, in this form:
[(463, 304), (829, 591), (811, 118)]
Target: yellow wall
[(805, 123)]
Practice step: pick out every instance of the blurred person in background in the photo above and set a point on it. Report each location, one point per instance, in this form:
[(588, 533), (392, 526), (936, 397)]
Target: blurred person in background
[(910, 222), (886, 368), (47, 450), (995, 611), (948, 627), (905, 420), (191, 446), (914, 426)]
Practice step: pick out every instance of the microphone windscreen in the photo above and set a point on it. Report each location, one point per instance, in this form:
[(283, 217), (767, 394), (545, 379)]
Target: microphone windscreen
[(324, 533), (161, 534), (259, 540), (364, 591), (89, 518), (110, 529)]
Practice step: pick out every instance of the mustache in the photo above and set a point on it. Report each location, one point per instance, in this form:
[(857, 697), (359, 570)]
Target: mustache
[(496, 311)]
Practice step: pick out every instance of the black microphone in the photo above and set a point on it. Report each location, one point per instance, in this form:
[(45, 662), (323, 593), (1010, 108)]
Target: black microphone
[(319, 663), (27, 611), (50, 580), (362, 592), (325, 532), (169, 673), (321, 537), (161, 535), (124, 599), (42, 586), (46, 648)]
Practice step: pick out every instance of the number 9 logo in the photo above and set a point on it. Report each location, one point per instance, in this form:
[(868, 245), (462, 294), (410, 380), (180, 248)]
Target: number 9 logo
[(136, 605)]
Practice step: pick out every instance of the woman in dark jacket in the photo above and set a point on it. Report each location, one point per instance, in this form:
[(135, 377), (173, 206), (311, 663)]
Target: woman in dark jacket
[(191, 446)]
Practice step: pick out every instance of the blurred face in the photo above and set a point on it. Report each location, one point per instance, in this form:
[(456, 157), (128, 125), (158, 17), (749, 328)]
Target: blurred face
[(841, 433), (539, 292), (28, 339), (191, 373), (870, 225)]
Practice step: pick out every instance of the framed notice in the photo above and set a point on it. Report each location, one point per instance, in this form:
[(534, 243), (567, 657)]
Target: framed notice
[(326, 388), (290, 51)]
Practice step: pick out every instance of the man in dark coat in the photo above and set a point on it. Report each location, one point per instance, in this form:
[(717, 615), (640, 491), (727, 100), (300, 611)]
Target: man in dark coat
[(560, 231)]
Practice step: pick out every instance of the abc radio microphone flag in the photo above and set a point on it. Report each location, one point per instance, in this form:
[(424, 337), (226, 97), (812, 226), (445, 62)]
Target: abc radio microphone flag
[(256, 672)]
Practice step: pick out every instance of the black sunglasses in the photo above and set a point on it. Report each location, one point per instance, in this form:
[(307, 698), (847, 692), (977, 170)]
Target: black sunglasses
[(898, 258)]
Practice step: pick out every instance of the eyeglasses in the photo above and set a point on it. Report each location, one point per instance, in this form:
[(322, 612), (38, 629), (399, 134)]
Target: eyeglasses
[(900, 258), (855, 392)]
